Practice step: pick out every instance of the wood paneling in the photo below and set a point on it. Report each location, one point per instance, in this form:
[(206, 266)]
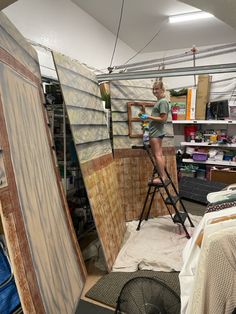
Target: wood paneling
[(89, 133), (14, 43), (135, 168), (88, 124), (92, 150), (80, 99), (104, 195), (135, 90), (77, 114), (47, 264), (122, 93)]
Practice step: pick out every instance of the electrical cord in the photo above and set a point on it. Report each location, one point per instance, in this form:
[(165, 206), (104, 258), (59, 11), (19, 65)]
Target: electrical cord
[(117, 35)]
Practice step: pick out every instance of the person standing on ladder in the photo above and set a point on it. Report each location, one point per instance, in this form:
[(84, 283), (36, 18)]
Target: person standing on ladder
[(157, 121)]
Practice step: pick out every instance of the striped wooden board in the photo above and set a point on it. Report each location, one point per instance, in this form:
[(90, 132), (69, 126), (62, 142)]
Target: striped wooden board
[(46, 259), (123, 93), (90, 133)]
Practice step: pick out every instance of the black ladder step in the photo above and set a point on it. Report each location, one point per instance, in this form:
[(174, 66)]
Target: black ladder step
[(172, 200), (181, 219), (159, 185)]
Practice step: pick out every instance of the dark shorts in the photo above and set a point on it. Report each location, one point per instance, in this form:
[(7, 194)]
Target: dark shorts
[(161, 137)]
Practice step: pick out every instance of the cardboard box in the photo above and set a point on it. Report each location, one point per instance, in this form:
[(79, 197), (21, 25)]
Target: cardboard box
[(202, 96), (225, 176)]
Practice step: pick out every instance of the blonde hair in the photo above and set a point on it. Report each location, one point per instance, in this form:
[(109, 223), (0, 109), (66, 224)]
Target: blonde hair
[(163, 87)]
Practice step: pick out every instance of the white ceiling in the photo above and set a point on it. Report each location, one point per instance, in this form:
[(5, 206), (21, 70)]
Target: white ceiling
[(142, 19)]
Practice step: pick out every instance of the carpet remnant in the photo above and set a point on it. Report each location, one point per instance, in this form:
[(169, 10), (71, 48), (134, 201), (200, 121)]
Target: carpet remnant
[(108, 288)]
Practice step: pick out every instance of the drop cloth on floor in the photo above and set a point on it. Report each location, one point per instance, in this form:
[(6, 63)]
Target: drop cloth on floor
[(158, 245)]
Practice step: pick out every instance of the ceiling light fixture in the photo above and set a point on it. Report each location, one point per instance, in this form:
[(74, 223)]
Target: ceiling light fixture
[(189, 16)]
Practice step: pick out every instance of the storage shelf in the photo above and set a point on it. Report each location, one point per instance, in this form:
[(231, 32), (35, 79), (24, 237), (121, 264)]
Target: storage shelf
[(211, 162), (205, 144), (204, 121)]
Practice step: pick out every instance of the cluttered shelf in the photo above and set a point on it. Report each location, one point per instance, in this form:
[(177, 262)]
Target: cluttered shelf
[(204, 121), (211, 162), (208, 144)]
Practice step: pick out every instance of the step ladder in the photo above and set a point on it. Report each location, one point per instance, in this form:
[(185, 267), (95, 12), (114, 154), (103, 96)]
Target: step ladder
[(171, 200)]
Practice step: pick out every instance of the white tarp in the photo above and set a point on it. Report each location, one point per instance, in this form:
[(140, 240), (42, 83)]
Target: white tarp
[(157, 246)]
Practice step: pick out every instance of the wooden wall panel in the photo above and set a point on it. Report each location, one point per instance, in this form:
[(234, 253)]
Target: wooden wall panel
[(75, 80), (83, 113), (89, 129), (81, 91), (79, 99), (123, 92), (89, 133), (47, 263), (120, 128), (14, 43), (93, 150), (119, 116), (136, 90), (104, 195), (123, 141), (135, 168)]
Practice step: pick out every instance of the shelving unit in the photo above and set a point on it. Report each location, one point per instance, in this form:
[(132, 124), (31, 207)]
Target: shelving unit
[(211, 162), (205, 144), (226, 122), (199, 167)]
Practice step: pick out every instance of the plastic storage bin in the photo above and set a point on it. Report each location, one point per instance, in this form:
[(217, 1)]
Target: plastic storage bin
[(197, 156)]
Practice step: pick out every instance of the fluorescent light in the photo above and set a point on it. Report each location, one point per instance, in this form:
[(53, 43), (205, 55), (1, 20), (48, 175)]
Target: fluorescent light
[(189, 16)]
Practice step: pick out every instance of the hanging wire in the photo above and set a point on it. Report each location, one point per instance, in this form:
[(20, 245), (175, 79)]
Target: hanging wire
[(117, 34), (157, 33)]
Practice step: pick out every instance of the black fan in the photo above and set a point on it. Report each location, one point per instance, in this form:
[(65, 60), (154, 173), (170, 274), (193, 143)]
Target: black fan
[(143, 295)]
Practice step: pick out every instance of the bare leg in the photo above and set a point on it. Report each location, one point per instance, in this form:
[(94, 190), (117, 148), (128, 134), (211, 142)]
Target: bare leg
[(156, 146)]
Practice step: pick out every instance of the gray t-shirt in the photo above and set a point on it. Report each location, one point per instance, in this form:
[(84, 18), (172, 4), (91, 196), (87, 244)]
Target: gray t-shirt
[(156, 128)]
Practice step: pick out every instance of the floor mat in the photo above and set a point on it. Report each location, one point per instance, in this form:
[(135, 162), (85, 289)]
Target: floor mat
[(196, 189), (108, 288), (90, 308)]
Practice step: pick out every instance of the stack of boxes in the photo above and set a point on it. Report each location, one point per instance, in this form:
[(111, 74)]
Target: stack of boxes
[(194, 105)]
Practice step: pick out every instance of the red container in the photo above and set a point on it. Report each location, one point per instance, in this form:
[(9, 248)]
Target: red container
[(189, 132), (190, 129), (175, 110)]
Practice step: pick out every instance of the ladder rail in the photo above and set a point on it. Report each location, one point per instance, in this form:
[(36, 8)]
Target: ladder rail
[(180, 200), (143, 209), (150, 203), (157, 188), (170, 213)]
